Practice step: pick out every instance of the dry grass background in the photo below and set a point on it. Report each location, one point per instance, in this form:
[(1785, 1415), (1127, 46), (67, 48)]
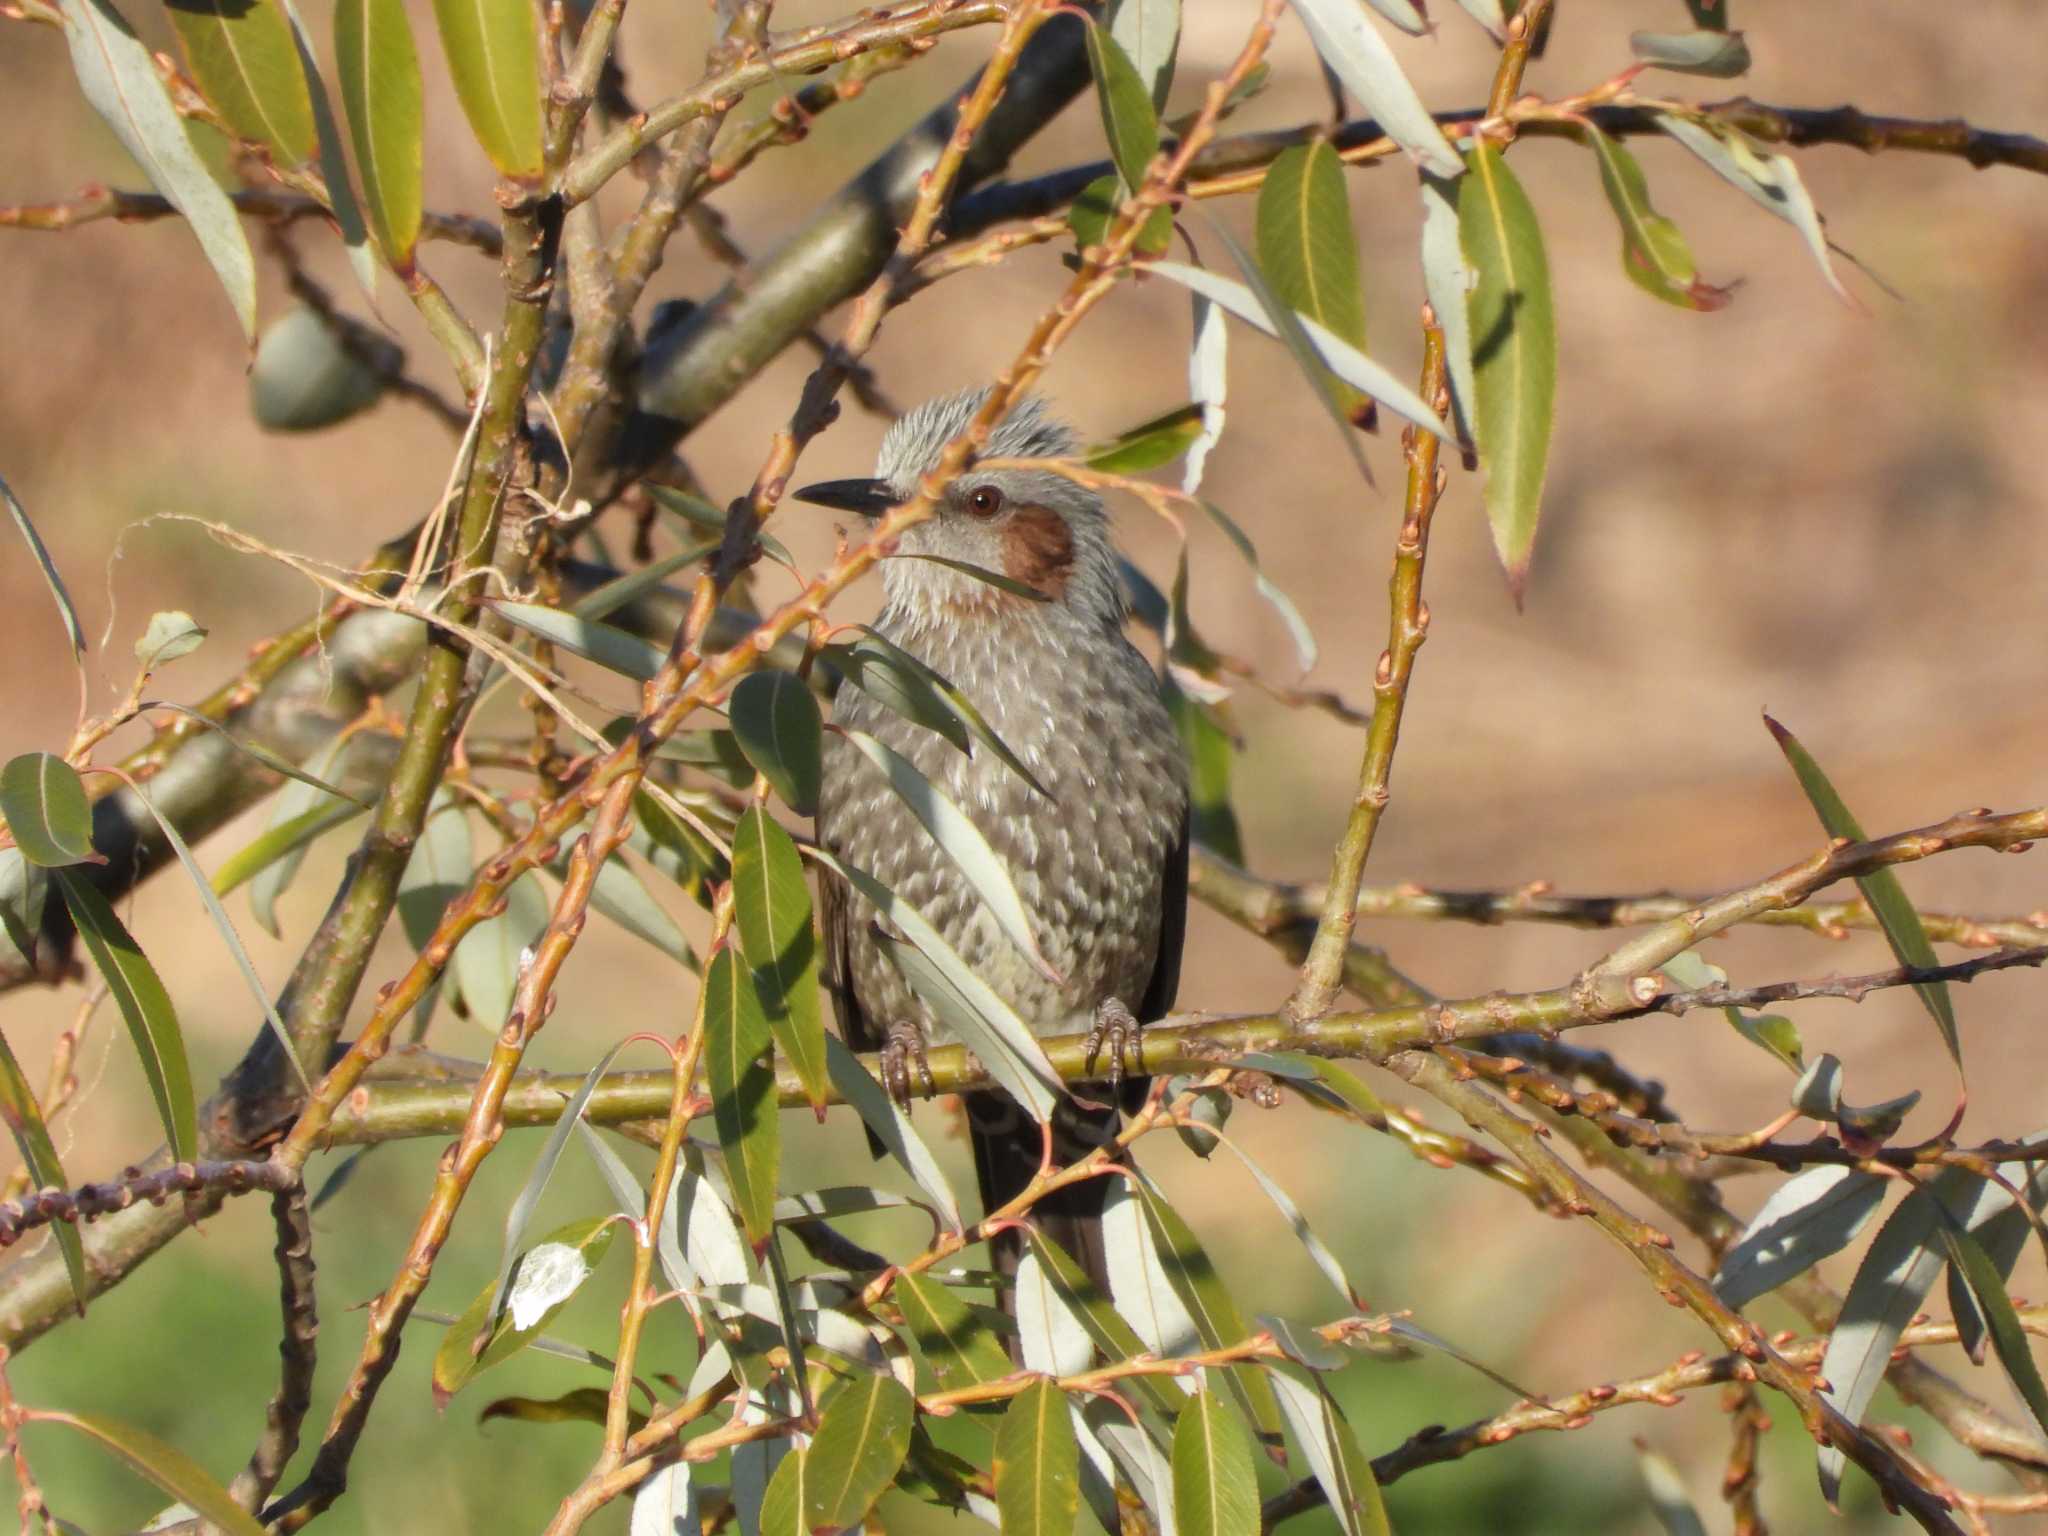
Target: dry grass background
[(1837, 513)]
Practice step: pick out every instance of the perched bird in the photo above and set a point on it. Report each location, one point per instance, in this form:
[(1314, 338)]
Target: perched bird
[(1101, 865)]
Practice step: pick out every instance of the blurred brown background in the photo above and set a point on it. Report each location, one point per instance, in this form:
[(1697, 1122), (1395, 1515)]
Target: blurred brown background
[(1833, 512)]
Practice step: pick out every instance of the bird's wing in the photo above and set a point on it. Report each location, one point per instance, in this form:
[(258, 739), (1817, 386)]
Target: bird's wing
[(836, 917), (1161, 990)]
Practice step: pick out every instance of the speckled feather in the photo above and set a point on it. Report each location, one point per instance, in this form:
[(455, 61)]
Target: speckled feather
[(1101, 867)]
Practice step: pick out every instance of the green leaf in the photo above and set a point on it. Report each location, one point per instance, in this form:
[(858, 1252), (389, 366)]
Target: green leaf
[(1153, 445), (243, 57), (1770, 180), (1807, 1218), (2008, 1338), (776, 720), (584, 1405), (1089, 215), (1106, 1326), (279, 847), (381, 97), (306, 378), (891, 1127), (1211, 821), (742, 1091), (166, 1466), (957, 1344), (1718, 55), (1307, 251), (1148, 31), (782, 1505), (1881, 889), (1342, 1469), (1654, 254), (963, 708), (118, 75), (493, 51), (1514, 354), (48, 567), (170, 634), (772, 905), (144, 1005), (861, 1441), (24, 1118), (1129, 120), (1360, 57), (24, 888), (1770, 1032), (610, 647), (341, 197), (1037, 1464), (47, 813), (1215, 1488), (458, 1359)]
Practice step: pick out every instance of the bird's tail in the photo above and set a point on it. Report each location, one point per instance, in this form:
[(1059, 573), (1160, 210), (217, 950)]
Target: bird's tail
[(1007, 1146)]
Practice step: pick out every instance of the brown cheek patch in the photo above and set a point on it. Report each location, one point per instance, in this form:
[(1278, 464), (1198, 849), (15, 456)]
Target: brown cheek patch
[(1038, 550)]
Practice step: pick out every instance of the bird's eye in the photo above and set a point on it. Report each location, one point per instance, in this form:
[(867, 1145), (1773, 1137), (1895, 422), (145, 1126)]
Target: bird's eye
[(985, 501)]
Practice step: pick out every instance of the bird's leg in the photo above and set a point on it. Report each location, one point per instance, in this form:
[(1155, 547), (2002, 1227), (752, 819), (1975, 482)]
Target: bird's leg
[(903, 1053), (1117, 1028)]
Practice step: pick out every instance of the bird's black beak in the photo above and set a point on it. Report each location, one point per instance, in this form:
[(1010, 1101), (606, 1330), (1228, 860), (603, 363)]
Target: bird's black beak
[(870, 498)]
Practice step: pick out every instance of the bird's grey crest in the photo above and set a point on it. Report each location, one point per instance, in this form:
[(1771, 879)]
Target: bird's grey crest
[(911, 448)]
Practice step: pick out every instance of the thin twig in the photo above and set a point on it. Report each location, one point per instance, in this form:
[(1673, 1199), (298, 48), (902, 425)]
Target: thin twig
[(296, 1345)]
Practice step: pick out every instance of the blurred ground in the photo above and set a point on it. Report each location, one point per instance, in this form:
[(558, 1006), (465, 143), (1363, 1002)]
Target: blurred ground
[(1833, 512)]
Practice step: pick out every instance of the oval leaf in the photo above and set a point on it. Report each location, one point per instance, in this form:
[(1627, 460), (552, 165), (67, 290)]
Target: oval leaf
[(957, 1344), (119, 78), (776, 720), (860, 1443), (457, 1359), (380, 96), (1215, 1488), (1718, 55), (1037, 1464), (1514, 354), (247, 65), (742, 1090), (1148, 31), (47, 813), (493, 52), (1129, 120)]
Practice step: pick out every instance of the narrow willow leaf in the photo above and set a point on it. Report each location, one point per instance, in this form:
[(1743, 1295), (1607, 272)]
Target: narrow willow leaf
[(1297, 627), (611, 648), (961, 841), (1148, 31), (1089, 215), (619, 895), (39, 1160), (987, 1024), (772, 905), (301, 813), (1448, 281), (256, 752), (381, 98), (119, 78), (742, 1089), (1052, 1336), (1654, 254), (1107, 1325), (584, 1405), (625, 1185), (24, 889), (1489, 15), (615, 594), (982, 574), (1514, 354), (437, 872), (334, 174), (1669, 1499), (520, 1213), (1037, 1464), (48, 567), (899, 689), (1881, 888), (700, 1244), (1412, 1333), (1405, 14), (1318, 1250), (1807, 1218), (145, 1007), (457, 1360), (891, 1127), (1770, 180), (493, 49), (1139, 1453), (1718, 55), (166, 1466), (2002, 1233), (47, 812), (1307, 251), (1215, 1488), (782, 1505), (1208, 383), (666, 1504), (861, 1440), (1341, 1469), (1347, 362), (958, 1345), (1150, 446), (776, 720), (2008, 1338), (1304, 1346), (963, 708), (1353, 47), (247, 66), (491, 955), (1138, 1279), (1129, 120)]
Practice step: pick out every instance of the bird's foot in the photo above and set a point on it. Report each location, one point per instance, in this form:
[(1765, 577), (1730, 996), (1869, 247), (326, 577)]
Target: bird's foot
[(1118, 1029), (903, 1054)]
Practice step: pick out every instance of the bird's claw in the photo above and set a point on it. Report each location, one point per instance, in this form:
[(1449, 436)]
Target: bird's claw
[(903, 1053), (1118, 1029)]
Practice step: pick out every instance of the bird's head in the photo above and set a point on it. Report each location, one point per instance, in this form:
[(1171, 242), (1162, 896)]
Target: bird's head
[(1035, 526)]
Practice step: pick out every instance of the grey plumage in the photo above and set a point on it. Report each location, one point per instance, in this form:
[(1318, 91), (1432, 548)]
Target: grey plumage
[(1101, 867)]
